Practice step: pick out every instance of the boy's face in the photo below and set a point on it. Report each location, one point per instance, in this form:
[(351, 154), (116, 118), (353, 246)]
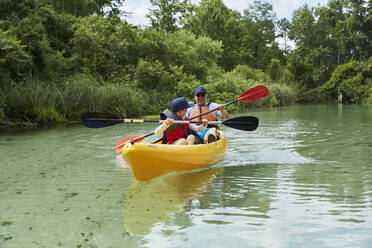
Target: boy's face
[(181, 113)]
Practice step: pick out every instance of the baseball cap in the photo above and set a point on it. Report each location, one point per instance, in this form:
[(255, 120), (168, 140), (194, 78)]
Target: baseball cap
[(178, 104), (200, 90)]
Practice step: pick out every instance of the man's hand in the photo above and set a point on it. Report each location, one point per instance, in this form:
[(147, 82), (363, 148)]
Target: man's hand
[(224, 113), (220, 107), (205, 122)]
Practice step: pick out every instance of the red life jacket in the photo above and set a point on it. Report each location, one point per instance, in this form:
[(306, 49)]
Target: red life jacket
[(180, 132), (175, 131)]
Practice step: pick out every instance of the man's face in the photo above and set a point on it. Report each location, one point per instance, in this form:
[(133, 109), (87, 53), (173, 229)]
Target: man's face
[(201, 98)]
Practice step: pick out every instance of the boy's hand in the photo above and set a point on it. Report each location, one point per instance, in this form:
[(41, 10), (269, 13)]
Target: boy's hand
[(169, 121)]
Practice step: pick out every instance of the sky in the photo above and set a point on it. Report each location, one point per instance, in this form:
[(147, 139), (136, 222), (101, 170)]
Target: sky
[(282, 8)]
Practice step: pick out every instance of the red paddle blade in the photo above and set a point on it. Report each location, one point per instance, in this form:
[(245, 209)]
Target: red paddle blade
[(254, 94), (121, 143)]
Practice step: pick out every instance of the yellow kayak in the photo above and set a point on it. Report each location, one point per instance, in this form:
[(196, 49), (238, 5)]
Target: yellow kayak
[(149, 160)]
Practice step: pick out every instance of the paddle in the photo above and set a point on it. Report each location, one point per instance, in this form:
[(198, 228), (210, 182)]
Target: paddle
[(122, 142), (252, 94), (245, 123), (99, 120), (133, 139)]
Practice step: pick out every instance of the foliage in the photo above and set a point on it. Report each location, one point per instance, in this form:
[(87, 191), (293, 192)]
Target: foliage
[(258, 46), (61, 58), (214, 20), (153, 75), (166, 13), (195, 55), (369, 100), (15, 62), (232, 84), (353, 79), (81, 8), (48, 116), (329, 36), (99, 46)]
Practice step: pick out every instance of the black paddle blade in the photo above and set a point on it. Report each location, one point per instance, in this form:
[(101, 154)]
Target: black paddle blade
[(98, 120), (244, 123)]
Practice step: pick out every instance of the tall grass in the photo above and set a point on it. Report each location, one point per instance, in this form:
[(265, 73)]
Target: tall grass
[(65, 99), (46, 103)]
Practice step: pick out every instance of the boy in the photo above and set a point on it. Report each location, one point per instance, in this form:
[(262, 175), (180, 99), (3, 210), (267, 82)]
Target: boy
[(178, 133)]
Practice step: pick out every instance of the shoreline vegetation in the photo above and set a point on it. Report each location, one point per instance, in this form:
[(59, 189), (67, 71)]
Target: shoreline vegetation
[(59, 59)]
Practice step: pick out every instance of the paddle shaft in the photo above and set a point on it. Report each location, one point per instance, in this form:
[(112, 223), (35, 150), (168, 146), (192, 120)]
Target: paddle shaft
[(252, 94), (139, 121), (210, 111), (135, 140)]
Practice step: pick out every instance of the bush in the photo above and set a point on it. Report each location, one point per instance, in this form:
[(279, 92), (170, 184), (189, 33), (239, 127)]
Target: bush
[(352, 79), (222, 87), (48, 116), (3, 118), (369, 100)]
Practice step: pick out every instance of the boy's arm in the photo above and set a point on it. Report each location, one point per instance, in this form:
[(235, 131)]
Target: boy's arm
[(160, 129)]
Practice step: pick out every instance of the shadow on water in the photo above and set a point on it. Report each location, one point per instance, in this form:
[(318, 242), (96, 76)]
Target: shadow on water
[(148, 203)]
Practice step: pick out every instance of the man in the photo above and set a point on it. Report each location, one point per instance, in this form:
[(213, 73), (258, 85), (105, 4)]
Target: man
[(210, 134)]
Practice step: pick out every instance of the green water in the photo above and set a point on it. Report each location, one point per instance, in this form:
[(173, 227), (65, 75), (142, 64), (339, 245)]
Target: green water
[(302, 179)]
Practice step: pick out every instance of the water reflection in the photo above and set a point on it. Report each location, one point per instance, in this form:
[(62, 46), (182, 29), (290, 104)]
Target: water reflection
[(241, 194), (339, 111), (151, 202), (302, 179)]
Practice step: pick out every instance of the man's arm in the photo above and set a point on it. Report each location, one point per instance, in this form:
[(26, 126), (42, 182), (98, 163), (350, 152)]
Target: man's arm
[(223, 112)]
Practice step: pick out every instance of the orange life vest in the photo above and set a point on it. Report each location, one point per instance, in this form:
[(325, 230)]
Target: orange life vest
[(199, 110)]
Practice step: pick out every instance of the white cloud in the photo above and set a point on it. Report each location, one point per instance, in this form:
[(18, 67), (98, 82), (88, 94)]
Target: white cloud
[(285, 8), (239, 5), (138, 10), (282, 8)]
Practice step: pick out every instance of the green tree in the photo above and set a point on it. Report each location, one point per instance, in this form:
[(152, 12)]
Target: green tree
[(307, 60), (80, 8), (214, 20), (102, 46), (303, 31), (258, 41), (166, 13), (283, 29), (197, 56), (356, 25), (15, 62)]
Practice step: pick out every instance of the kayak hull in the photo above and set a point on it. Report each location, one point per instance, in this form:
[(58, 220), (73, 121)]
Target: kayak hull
[(148, 160)]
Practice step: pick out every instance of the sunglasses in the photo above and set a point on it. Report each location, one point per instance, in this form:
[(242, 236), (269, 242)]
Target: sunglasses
[(200, 95)]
